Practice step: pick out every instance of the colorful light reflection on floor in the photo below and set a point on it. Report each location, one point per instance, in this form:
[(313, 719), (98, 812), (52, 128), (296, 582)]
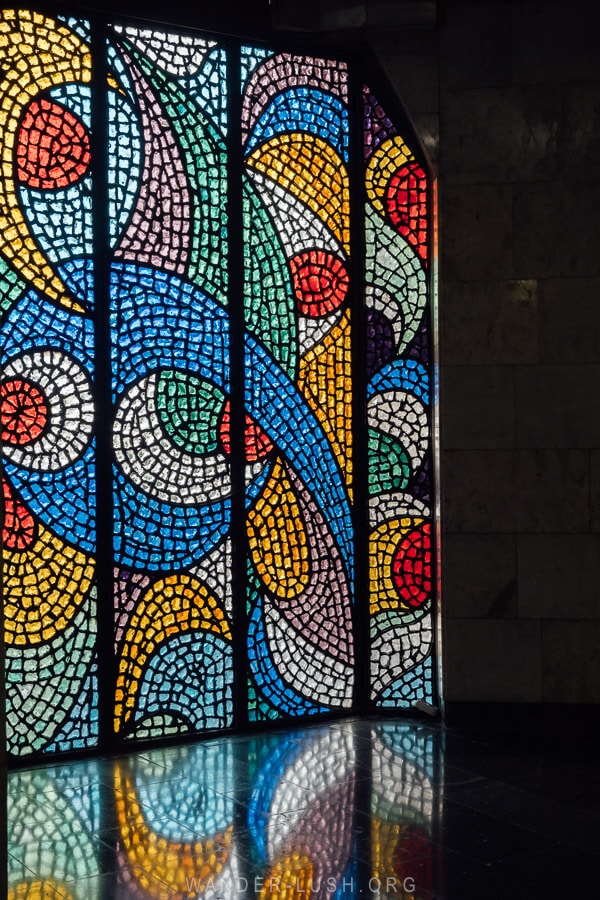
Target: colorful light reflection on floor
[(339, 810)]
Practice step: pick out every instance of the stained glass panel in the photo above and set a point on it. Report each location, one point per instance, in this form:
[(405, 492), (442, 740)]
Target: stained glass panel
[(47, 390), (170, 339), (398, 415), (184, 249), (298, 388)]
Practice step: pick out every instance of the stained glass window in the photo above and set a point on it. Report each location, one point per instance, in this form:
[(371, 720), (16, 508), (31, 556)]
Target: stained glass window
[(216, 403)]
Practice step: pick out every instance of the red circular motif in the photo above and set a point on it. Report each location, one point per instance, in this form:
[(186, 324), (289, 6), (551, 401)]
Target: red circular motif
[(257, 444), (18, 526), (23, 412), (53, 147), (406, 201), (320, 282), (411, 566)]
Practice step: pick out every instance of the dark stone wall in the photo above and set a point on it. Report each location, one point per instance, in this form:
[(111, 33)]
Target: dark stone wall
[(519, 160)]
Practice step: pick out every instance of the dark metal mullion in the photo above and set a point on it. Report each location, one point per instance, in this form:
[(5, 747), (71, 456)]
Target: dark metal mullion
[(103, 388), (235, 267), (360, 507), (103, 428), (362, 808)]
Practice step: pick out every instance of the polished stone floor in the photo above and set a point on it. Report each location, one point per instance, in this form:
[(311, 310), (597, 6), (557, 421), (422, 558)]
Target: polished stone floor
[(355, 808)]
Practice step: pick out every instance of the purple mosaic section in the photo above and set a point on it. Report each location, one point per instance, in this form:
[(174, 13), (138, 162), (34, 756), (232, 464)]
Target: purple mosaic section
[(378, 126), (381, 343), (419, 347), (421, 484)]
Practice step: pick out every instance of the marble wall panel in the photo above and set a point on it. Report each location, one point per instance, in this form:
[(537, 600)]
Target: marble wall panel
[(556, 227), (557, 406), (493, 660), (595, 490), (504, 134), (571, 661), (515, 491), (474, 39), (559, 576), (476, 224), (581, 141), (478, 407), (569, 320), (413, 75), (553, 42), (480, 576), (520, 286), (489, 322)]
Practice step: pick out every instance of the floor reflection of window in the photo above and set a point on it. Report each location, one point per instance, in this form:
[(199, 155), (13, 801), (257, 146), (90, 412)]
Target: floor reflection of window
[(215, 401), (302, 813), (175, 813), (404, 805), (340, 810), (53, 826)]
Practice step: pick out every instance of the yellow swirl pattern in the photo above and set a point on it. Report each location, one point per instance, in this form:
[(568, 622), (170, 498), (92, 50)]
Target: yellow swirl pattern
[(43, 588), (277, 538), (165, 868), (290, 878), (36, 54), (385, 837), (383, 543), (171, 606), (325, 379), (392, 154), (312, 171), (39, 890)]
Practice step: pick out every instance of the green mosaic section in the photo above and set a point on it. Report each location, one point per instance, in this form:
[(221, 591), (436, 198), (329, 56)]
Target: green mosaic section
[(268, 295), (389, 465), (189, 411)]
